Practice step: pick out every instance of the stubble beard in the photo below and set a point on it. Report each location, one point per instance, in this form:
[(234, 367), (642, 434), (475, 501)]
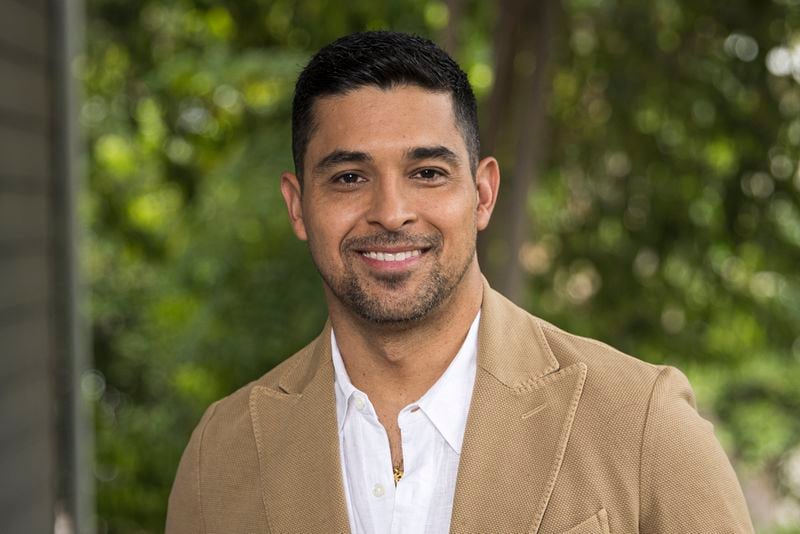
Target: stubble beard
[(439, 284)]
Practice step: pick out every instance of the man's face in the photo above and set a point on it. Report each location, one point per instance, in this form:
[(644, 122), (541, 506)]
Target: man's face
[(389, 206)]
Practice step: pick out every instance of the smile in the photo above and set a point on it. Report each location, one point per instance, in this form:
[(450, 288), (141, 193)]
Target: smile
[(388, 256)]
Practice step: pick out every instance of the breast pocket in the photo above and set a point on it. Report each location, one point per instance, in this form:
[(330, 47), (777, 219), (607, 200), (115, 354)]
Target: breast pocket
[(597, 524)]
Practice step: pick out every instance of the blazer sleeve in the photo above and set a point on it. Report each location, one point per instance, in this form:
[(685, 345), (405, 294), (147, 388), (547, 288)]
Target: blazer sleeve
[(687, 482), (184, 510)]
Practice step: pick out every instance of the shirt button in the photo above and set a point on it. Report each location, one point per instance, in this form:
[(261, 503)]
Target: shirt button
[(378, 490), (360, 403)]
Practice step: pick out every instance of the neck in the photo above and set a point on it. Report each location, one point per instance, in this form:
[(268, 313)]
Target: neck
[(397, 366)]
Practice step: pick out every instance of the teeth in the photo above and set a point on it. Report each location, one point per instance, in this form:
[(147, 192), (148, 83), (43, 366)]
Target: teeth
[(387, 256)]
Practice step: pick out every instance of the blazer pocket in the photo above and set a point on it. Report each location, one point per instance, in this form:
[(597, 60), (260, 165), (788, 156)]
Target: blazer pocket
[(597, 524)]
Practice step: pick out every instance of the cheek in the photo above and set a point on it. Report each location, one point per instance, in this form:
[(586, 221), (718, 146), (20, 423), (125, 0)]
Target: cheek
[(327, 228), (322, 238), (458, 233), (454, 218)]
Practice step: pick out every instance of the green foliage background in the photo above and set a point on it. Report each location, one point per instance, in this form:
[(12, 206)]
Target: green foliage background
[(666, 220)]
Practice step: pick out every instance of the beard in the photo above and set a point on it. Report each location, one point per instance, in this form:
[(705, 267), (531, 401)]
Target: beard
[(398, 311)]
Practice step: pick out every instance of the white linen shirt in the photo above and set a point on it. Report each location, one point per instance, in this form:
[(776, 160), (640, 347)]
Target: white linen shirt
[(432, 431)]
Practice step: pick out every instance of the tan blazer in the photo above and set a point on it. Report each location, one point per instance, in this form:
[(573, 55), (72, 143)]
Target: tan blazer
[(565, 435)]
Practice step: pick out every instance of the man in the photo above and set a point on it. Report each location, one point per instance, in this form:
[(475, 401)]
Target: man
[(430, 403)]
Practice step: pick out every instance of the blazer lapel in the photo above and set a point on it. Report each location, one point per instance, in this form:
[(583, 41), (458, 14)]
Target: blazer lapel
[(298, 446), (520, 419)]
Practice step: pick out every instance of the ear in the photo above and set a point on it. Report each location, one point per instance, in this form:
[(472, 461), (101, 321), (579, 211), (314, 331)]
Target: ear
[(292, 195), (487, 184)]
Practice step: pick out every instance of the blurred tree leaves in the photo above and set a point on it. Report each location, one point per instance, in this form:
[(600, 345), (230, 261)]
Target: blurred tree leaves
[(665, 218)]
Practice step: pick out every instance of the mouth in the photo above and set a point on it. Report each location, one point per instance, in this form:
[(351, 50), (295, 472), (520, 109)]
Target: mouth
[(392, 253), (392, 256), (392, 259)]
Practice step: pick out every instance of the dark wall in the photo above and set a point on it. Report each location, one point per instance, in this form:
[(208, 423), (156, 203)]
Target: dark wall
[(36, 421)]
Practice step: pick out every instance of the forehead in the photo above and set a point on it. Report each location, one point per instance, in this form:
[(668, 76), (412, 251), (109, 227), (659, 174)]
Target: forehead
[(372, 119)]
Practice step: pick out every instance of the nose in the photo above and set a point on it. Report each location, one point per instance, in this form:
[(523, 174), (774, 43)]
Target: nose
[(391, 206)]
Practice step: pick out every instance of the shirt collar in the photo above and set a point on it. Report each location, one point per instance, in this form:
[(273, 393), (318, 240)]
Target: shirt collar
[(446, 403), (344, 388)]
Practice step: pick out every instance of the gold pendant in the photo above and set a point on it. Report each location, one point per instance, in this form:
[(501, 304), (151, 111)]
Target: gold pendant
[(397, 471)]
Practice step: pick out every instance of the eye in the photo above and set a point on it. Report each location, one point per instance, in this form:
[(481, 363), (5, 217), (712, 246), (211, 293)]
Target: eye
[(348, 178), (429, 174)]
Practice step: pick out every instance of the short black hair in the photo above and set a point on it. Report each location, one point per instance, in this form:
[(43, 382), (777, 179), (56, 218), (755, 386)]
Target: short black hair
[(382, 59)]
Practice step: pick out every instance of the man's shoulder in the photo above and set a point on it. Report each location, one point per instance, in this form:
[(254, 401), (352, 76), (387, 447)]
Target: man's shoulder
[(237, 404), (614, 380), (220, 466), (538, 348), (569, 349)]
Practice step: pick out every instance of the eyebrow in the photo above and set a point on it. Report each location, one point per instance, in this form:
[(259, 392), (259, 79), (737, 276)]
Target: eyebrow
[(340, 156), (433, 152), (413, 154)]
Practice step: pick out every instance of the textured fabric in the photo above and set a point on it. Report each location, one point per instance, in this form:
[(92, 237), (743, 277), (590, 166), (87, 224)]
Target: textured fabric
[(565, 435), (432, 430)]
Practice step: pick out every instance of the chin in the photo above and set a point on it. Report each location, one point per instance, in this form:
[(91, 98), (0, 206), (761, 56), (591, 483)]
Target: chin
[(396, 319), (394, 308), (393, 280)]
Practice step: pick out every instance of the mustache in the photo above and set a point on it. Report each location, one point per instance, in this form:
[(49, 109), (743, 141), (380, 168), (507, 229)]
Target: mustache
[(392, 239)]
